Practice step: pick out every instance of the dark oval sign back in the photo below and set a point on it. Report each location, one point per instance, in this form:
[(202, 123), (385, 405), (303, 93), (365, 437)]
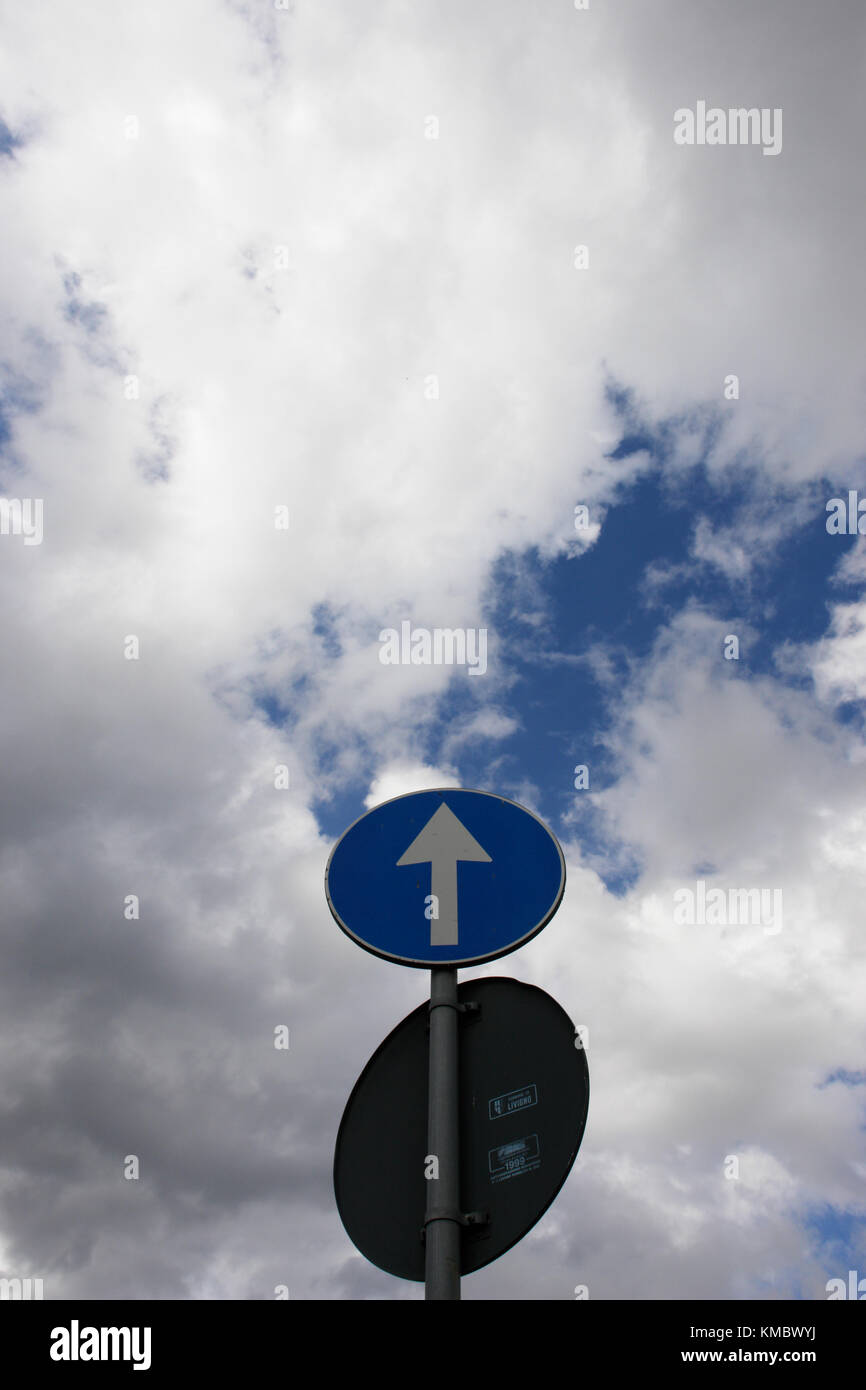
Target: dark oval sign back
[(524, 1096)]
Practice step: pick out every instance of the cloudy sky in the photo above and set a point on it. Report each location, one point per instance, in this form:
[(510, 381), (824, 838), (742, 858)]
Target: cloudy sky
[(325, 318)]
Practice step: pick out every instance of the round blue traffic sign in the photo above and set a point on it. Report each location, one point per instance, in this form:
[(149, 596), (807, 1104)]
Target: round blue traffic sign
[(445, 877)]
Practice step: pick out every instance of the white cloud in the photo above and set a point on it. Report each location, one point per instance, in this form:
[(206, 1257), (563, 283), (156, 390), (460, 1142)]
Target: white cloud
[(838, 662), (401, 778)]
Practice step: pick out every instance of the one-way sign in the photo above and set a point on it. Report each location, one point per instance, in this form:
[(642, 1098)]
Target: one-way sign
[(445, 877)]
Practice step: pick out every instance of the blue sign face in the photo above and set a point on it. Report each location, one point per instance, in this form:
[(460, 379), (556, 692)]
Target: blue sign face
[(445, 877)]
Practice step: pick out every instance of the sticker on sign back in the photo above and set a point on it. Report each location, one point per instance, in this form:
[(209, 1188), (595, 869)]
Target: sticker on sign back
[(510, 1160), (513, 1101)]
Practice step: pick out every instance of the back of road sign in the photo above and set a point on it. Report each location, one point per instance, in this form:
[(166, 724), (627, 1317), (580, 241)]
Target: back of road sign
[(524, 1094)]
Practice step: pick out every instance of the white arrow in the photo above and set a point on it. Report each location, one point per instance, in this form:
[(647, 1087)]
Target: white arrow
[(440, 844)]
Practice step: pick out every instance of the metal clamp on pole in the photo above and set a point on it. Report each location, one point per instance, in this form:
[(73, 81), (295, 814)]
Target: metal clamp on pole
[(465, 1218), (471, 1006), (470, 1010)]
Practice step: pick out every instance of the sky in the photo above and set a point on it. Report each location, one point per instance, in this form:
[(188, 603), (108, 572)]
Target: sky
[(326, 318)]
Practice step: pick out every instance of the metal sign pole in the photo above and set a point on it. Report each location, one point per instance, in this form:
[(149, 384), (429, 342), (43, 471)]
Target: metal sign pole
[(442, 1219)]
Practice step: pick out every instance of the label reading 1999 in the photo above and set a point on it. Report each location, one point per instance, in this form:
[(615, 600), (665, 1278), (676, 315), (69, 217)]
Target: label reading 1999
[(510, 1160)]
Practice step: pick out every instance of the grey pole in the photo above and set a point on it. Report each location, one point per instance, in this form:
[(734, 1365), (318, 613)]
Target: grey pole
[(442, 1251)]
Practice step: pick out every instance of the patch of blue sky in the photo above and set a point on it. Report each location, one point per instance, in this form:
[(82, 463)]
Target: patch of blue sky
[(92, 316), (844, 1077), (9, 141), (273, 709), (839, 1236), (339, 807), (325, 628), (19, 395)]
